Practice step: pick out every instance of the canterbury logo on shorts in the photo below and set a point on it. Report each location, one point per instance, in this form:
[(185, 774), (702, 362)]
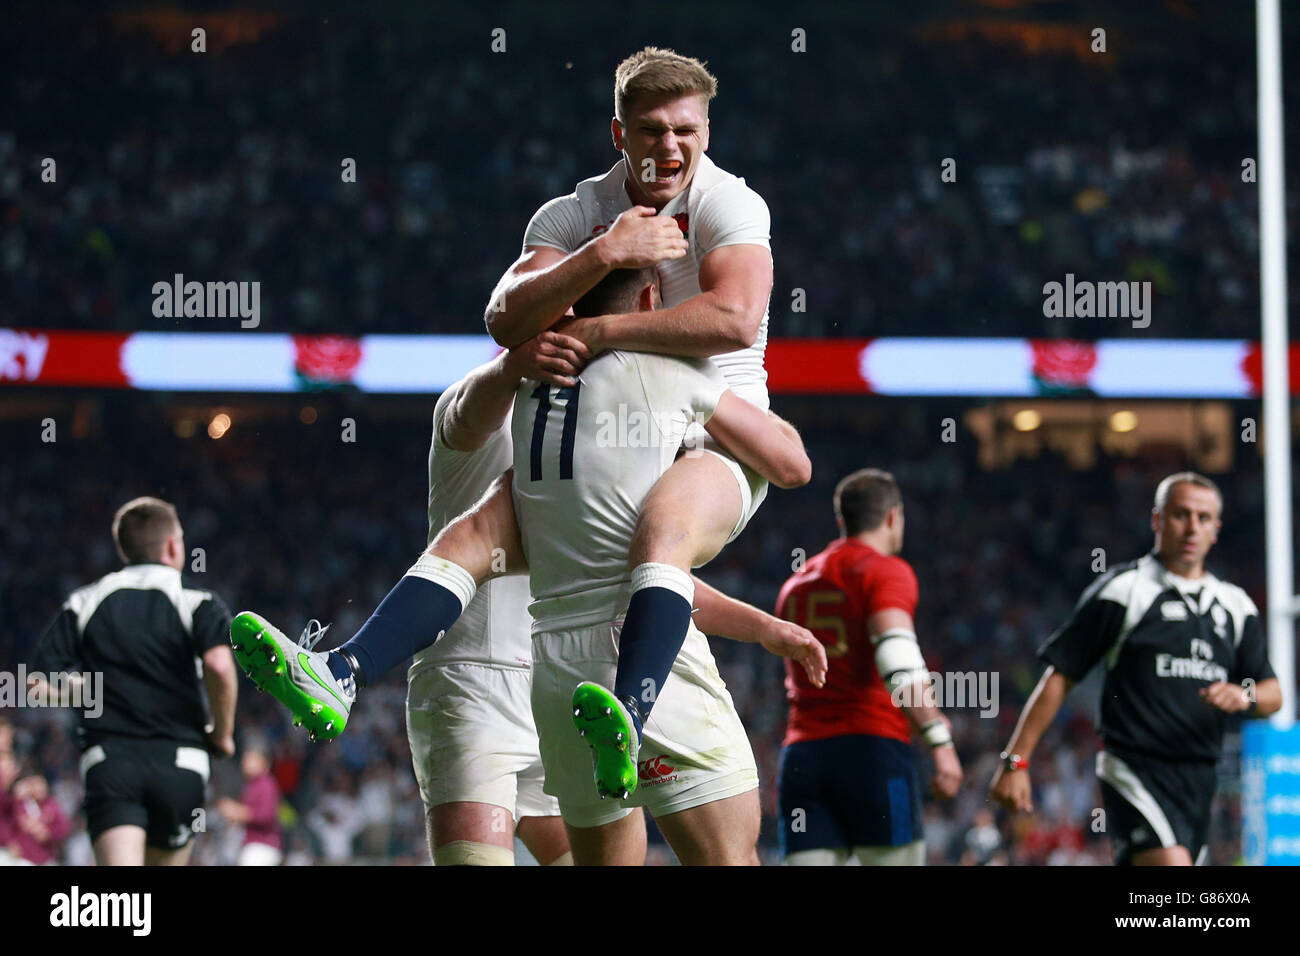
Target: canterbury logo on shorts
[(655, 770)]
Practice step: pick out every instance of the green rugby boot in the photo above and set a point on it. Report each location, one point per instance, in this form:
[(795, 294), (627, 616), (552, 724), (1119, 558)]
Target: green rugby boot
[(607, 727), (293, 673)]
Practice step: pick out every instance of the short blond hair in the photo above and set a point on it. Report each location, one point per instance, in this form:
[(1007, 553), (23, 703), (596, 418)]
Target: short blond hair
[(655, 71)]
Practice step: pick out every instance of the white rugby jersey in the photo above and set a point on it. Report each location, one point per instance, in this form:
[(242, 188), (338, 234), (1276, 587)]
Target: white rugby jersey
[(494, 629), (585, 458), (717, 209)]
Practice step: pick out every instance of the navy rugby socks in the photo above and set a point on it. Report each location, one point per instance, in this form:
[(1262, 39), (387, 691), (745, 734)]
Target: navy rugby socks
[(654, 629), (416, 612)]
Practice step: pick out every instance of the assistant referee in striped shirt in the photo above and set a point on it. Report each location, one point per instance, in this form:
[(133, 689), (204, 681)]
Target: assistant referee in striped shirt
[(154, 647)]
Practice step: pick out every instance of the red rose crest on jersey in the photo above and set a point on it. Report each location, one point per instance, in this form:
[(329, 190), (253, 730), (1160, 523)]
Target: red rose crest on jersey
[(655, 770), (682, 224)]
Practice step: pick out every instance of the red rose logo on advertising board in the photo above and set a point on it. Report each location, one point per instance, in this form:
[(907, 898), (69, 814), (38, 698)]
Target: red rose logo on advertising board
[(326, 359), (1063, 366)]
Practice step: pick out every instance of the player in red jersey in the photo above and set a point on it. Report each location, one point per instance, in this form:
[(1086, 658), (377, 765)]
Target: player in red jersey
[(848, 782)]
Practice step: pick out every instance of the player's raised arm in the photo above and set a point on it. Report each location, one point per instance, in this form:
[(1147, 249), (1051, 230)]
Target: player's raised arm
[(481, 400), (761, 440), (544, 282), (537, 290), (902, 667), (716, 613)]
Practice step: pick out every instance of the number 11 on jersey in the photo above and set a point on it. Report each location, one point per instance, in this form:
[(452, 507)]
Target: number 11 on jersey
[(568, 436)]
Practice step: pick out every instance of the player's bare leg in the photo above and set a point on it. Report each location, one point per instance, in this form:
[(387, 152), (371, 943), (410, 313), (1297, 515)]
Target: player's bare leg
[(685, 520), (483, 834), (120, 846), (471, 834), (124, 845), (319, 688), (546, 839), (1163, 856), (721, 833), (621, 843), (157, 856), (688, 515), (485, 540)]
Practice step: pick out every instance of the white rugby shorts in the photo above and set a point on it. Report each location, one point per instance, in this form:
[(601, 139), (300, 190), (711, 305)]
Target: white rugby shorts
[(694, 749), (472, 738)]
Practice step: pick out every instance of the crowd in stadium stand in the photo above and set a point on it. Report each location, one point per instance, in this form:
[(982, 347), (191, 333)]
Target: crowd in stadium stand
[(298, 525), (1122, 166), (33, 821)]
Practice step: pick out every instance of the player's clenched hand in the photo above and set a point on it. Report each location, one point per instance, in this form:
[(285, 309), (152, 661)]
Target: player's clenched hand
[(786, 639), (551, 357), (947, 772), (641, 237), (1229, 698), (1012, 790)]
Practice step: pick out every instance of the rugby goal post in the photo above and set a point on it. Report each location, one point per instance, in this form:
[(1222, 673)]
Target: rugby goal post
[(1283, 603)]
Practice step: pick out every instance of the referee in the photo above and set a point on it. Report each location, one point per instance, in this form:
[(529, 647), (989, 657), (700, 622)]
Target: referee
[(145, 639), (1182, 650)]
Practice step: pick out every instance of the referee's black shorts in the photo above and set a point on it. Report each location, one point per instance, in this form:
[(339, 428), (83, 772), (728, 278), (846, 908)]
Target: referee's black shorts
[(1152, 803), (154, 784)]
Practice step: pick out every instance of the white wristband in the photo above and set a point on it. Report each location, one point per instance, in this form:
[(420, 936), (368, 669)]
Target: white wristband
[(936, 733)]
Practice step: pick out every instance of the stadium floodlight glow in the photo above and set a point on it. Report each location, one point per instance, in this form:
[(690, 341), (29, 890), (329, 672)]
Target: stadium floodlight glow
[(1026, 420), (1123, 421), (219, 425)]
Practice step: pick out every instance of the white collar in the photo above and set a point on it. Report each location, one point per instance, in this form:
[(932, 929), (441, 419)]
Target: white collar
[(1207, 583)]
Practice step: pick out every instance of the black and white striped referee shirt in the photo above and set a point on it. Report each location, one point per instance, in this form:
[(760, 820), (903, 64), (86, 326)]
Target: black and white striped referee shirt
[(1163, 638), (145, 632)]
